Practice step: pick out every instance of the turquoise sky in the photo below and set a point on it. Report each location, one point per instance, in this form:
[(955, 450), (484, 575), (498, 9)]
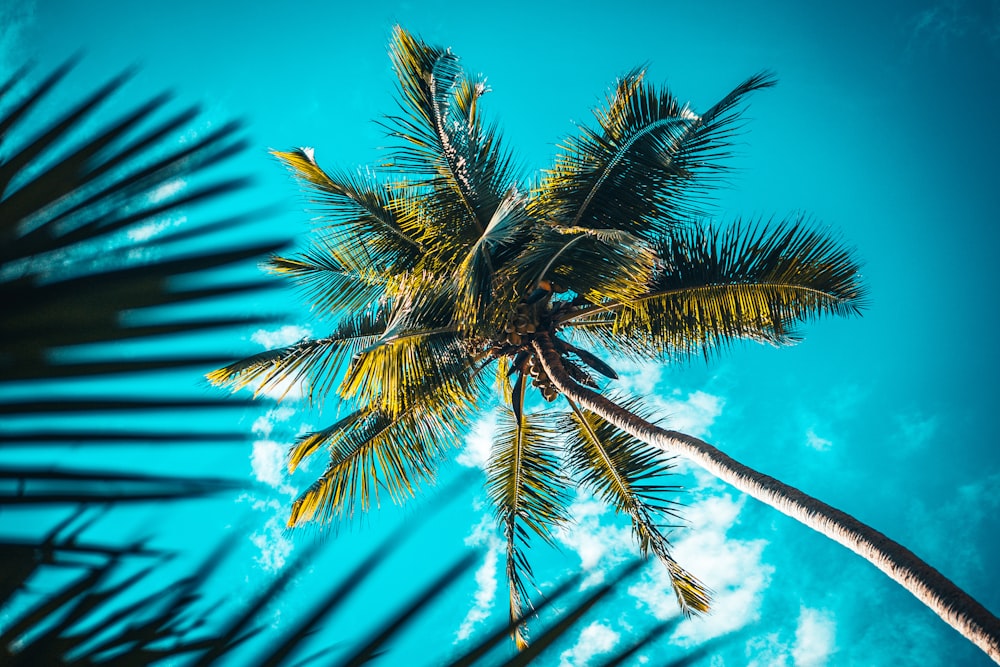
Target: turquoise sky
[(883, 128)]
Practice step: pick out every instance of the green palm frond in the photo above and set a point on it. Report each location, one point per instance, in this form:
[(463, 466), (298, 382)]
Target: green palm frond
[(476, 275), (460, 161), (372, 450), (717, 285), (319, 360), (420, 357), (528, 492), (597, 264), (628, 475), (308, 444), (360, 215), (646, 166), (322, 274)]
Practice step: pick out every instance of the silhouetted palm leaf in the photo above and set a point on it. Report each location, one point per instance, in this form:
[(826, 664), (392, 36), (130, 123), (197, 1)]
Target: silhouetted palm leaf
[(75, 205)]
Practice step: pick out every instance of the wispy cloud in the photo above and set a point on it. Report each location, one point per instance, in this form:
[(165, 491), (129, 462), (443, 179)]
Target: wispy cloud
[(815, 638), (693, 414), (595, 639), (289, 389), (267, 462), (273, 546), (947, 529), (816, 442), (267, 458), (952, 23), (286, 335), (476, 452), (812, 646), (166, 190), (483, 535), (916, 429), (151, 229), (733, 568), (599, 544)]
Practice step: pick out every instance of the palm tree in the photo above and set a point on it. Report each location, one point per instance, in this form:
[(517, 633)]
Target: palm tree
[(443, 272), (66, 597)]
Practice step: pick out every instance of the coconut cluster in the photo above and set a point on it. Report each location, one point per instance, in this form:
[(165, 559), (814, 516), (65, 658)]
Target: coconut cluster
[(540, 379), (521, 325)]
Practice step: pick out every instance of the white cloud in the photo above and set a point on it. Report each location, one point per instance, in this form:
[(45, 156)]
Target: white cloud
[(950, 529), (812, 646), (479, 441), (264, 424), (595, 639), (733, 569), (693, 415), (915, 429), (267, 459), (268, 462), (286, 335), (767, 651), (814, 638), (600, 547), (288, 389), (483, 535), (816, 442), (638, 378), (274, 547)]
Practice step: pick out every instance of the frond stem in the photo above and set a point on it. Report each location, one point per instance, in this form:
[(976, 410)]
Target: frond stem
[(618, 157), (570, 316)]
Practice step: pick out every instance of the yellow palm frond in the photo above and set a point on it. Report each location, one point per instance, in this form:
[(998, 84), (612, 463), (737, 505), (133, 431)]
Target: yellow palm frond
[(359, 215), (628, 475), (372, 450), (317, 360), (528, 492), (645, 168), (446, 145), (326, 281), (717, 285)]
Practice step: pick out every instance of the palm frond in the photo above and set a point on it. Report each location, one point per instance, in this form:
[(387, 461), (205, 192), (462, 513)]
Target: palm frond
[(718, 284), (327, 283), (319, 360), (308, 444), (360, 216), (80, 273), (644, 168), (420, 357), (597, 264), (476, 276), (371, 450), (459, 160), (528, 492), (628, 475), (61, 218)]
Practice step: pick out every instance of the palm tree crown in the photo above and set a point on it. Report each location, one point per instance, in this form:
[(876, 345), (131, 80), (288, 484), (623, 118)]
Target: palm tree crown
[(445, 276)]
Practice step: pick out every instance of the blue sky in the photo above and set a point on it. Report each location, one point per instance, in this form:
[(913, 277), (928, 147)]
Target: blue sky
[(882, 127)]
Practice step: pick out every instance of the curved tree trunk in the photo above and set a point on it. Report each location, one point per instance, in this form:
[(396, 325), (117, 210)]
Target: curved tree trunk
[(932, 588)]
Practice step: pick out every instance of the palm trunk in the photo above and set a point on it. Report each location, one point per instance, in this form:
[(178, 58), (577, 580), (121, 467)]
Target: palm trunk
[(932, 588)]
